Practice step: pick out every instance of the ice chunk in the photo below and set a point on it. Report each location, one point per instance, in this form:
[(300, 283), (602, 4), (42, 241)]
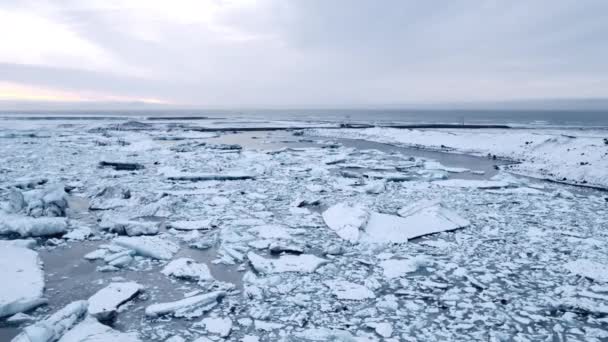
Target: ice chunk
[(346, 220), (119, 166), (191, 225), (79, 234), (130, 227), (23, 243), (149, 246), (343, 289), (473, 183), (22, 280), (188, 307), (89, 330), (216, 325), (110, 197), (398, 267), (589, 269), (198, 177), (29, 226), (304, 263), (418, 220), (104, 303), (188, 269), (52, 328), (324, 334)]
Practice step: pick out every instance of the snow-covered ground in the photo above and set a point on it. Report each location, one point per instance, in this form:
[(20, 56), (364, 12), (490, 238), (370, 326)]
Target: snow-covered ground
[(573, 156), (321, 241)]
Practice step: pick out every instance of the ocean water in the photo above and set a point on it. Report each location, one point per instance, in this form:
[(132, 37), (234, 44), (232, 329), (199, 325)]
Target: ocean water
[(526, 118)]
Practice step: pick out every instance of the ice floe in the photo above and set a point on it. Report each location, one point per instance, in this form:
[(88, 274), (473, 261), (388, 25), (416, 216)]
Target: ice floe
[(56, 325), (189, 307), (149, 246), (22, 280), (304, 263), (104, 303)]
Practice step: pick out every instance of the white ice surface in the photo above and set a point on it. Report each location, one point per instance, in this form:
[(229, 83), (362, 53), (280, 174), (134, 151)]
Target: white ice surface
[(346, 220), (217, 325), (106, 301), (21, 280)]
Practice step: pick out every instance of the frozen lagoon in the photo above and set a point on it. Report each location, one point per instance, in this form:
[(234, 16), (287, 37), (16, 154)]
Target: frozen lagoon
[(519, 270)]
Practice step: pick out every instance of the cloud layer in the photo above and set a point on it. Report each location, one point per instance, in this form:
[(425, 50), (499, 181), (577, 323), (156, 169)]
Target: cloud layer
[(304, 53)]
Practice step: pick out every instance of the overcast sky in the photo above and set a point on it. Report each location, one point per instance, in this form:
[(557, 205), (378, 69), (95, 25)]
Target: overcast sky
[(302, 53)]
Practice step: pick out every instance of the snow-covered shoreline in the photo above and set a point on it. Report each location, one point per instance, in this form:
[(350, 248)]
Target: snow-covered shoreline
[(574, 156)]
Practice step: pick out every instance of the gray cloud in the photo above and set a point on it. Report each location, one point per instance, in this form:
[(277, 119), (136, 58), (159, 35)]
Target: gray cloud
[(321, 53)]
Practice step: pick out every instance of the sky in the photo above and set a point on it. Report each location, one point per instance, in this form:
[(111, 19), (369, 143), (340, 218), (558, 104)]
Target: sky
[(302, 53)]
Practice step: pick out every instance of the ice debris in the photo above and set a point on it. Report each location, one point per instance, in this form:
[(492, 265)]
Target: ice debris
[(189, 307), (56, 325), (304, 263), (149, 246)]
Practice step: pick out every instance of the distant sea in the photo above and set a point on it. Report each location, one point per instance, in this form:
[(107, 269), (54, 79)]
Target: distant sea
[(520, 118)]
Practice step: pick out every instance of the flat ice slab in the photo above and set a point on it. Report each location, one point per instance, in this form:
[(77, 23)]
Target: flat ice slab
[(90, 330), (346, 220), (304, 263), (188, 307), (428, 217), (149, 246), (104, 303), (22, 280), (473, 183)]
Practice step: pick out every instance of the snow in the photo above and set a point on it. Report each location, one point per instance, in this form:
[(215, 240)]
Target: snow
[(26, 226), (346, 220), (343, 289), (571, 155), (218, 326), (22, 280), (104, 303), (149, 246), (187, 268), (90, 330), (188, 307), (589, 269), (56, 325), (303, 263)]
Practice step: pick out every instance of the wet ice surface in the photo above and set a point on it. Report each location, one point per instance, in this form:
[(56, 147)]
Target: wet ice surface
[(521, 270)]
